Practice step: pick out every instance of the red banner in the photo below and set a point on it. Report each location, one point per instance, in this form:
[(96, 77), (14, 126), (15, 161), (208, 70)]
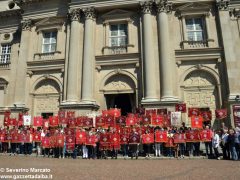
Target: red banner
[(72, 122), (151, 112), (161, 136), (2, 138), (59, 140), (115, 140), (12, 122), (124, 138), (38, 121), (161, 111), (100, 121), (114, 112), (70, 139), (53, 121), (45, 123), (109, 121), (80, 137), (70, 114), (69, 132), (196, 122), (221, 113), (62, 117), (207, 115), (236, 115), (14, 138), (37, 136), (148, 138), (193, 112), (80, 121), (192, 136), (46, 142), (6, 118), (146, 120), (70, 146), (134, 138), (88, 122), (206, 135), (131, 121), (157, 120), (121, 120), (20, 119), (91, 140), (181, 107), (179, 138)]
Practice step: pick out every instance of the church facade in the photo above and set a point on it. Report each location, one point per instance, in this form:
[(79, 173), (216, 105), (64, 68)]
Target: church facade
[(90, 55)]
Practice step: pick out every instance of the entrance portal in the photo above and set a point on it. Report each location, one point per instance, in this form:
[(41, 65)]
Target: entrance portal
[(121, 101)]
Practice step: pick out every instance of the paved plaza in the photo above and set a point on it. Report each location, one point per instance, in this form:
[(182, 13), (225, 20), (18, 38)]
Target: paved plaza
[(76, 169)]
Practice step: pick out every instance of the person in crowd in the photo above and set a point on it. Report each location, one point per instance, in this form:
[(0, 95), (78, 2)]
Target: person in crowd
[(237, 141), (190, 146), (134, 147), (208, 145), (181, 145), (215, 144), (231, 142), (170, 144), (158, 145), (224, 144)]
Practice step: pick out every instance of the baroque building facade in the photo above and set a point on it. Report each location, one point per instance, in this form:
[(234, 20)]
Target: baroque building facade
[(89, 55)]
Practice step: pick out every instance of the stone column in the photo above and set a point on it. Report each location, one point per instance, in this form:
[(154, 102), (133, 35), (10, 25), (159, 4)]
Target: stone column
[(166, 60), (88, 56), (20, 87), (72, 78), (148, 54)]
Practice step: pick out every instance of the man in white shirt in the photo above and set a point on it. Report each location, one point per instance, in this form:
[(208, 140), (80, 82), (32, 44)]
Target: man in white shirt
[(215, 144)]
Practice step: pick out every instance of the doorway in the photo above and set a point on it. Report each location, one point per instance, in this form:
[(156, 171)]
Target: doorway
[(121, 101)]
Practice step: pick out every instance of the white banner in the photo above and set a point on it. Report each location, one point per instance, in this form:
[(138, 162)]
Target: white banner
[(27, 120), (176, 118)]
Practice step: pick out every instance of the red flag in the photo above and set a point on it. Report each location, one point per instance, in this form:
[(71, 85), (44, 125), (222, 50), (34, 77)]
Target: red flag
[(6, 118), (72, 122), (115, 112), (91, 140), (27, 138), (124, 138), (193, 112), (62, 117), (207, 115), (14, 138), (53, 121), (196, 122), (148, 138), (80, 121), (121, 120), (179, 138), (134, 138), (2, 137), (151, 112), (46, 142), (45, 123), (221, 113), (60, 140), (161, 111), (146, 120), (69, 132), (170, 143), (12, 122), (161, 136), (131, 121), (105, 113), (20, 119), (206, 135), (88, 122), (157, 120), (70, 114), (38, 121), (167, 120), (70, 139), (181, 107), (192, 136), (236, 115), (115, 140), (140, 110), (80, 137), (104, 141), (37, 136), (109, 121), (70, 146)]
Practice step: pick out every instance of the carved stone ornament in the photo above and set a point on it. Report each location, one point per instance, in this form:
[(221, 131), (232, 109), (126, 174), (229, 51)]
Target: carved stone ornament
[(222, 4), (74, 15), (146, 7), (163, 6), (89, 13), (235, 12), (26, 25)]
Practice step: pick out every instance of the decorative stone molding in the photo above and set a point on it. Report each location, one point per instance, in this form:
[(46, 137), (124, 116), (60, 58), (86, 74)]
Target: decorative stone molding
[(222, 4), (235, 12), (27, 25), (89, 13), (74, 15), (163, 6), (146, 7)]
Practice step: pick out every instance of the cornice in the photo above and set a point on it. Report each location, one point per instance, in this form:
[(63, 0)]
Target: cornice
[(10, 13), (24, 2)]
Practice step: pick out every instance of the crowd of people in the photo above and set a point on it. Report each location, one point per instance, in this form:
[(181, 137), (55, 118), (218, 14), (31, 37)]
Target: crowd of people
[(111, 142)]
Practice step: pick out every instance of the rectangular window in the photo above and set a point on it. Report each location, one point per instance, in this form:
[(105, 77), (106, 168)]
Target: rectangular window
[(49, 42), (195, 29), (5, 53), (118, 35)]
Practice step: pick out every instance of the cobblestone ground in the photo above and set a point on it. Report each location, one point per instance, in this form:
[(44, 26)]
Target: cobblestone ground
[(77, 169)]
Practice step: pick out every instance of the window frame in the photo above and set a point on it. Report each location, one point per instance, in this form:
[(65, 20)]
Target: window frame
[(195, 31), (118, 36), (5, 58), (50, 41)]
